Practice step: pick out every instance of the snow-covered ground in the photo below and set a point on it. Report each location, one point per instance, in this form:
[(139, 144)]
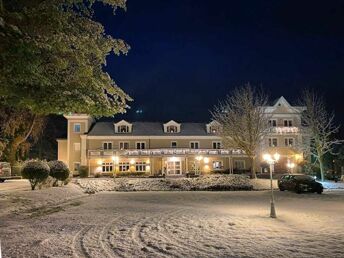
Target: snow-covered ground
[(173, 224)]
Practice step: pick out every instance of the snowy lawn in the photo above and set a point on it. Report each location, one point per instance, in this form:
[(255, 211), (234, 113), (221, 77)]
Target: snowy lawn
[(204, 183), (177, 224)]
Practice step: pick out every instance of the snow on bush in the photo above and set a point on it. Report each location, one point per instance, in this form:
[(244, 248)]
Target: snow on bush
[(203, 183), (35, 171), (58, 170)]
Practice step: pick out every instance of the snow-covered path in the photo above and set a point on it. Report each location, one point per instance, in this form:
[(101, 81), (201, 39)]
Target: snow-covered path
[(180, 224)]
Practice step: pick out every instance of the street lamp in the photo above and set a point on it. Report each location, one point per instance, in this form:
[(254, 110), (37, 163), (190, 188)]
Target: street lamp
[(271, 160)]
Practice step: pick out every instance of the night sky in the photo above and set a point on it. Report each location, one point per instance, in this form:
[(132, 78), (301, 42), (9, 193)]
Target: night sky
[(186, 55)]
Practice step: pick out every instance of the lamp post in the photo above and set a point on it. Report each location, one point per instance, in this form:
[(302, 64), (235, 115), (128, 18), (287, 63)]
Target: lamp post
[(271, 160)]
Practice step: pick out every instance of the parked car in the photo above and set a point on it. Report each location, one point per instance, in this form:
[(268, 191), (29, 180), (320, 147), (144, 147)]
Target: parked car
[(5, 171), (299, 183)]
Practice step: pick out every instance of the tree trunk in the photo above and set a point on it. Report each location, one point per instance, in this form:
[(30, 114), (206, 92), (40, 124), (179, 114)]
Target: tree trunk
[(253, 167), (321, 165)]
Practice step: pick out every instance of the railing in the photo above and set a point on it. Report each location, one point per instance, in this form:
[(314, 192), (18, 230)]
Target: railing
[(284, 130), (163, 152)]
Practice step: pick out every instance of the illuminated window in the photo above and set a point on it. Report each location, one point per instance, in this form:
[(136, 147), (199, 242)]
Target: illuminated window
[(77, 128), (123, 129), (107, 167), (123, 166), (140, 167), (172, 129), (217, 165)]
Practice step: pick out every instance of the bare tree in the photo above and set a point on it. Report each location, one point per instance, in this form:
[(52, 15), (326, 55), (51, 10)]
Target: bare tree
[(319, 126), (243, 121)]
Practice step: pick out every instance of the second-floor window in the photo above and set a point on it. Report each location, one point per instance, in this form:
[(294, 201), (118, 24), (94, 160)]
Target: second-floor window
[(216, 145), (288, 122), (107, 145), (273, 122), (288, 142), (194, 145), (174, 144), (123, 145), (107, 167), (77, 128), (272, 142), (140, 145)]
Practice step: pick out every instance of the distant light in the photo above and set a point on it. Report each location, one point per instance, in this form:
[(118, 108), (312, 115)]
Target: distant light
[(139, 111)]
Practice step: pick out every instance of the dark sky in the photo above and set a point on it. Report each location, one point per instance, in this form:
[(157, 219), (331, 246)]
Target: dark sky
[(186, 55)]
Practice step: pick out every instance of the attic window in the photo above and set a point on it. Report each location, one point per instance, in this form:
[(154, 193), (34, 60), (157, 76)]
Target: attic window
[(123, 129), (172, 129), (214, 129)]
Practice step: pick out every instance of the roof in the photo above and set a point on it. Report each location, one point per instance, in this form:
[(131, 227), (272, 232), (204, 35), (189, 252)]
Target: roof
[(148, 128)]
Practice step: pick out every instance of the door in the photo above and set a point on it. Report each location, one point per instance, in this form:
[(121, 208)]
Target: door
[(174, 168)]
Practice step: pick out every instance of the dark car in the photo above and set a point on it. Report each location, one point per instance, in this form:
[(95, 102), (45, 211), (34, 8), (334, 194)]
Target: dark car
[(299, 183)]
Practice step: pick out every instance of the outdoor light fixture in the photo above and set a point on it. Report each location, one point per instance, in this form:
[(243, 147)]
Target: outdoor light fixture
[(132, 161), (206, 160), (115, 159), (99, 162), (271, 160), (199, 158), (173, 159)]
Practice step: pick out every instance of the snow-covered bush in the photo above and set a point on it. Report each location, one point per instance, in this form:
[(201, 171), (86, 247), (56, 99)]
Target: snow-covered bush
[(58, 170), (35, 171)]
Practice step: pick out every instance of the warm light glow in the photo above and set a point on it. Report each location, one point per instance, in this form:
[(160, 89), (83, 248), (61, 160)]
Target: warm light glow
[(267, 157), (132, 161), (115, 159), (276, 156), (148, 161), (206, 160), (290, 165), (199, 158), (99, 162), (173, 159), (206, 167), (148, 167)]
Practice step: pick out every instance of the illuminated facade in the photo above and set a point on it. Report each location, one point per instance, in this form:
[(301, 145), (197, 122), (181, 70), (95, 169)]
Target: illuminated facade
[(171, 148)]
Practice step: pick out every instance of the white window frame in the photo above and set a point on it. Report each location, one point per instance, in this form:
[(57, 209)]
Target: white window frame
[(271, 122), (76, 166), (175, 143), (216, 143), (77, 146), (140, 143), (220, 167), (169, 127), (74, 126), (107, 167), (287, 142), (239, 161), (124, 166), (123, 143), (141, 166), (289, 122), (107, 144), (193, 142), (119, 129), (271, 142)]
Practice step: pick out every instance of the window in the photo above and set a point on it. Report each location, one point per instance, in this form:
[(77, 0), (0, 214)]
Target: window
[(77, 128), (216, 145), (172, 129), (288, 123), (272, 142), (123, 166), (214, 129), (273, 122), (107, 167), (123, 145), (173, 144), (289, 142), (107, 145), (140, 145), (194, 145), (123, 129), (217, 165), (76, 166), (140, 167), (77, 146), (239, 164)]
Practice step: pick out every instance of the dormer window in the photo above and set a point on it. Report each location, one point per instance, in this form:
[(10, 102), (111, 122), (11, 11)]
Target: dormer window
[(171, 127), (213, 127), (123, 127)]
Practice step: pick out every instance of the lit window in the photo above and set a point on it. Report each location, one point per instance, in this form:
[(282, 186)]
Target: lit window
[(272, 142), (214, 129), (239, 164), (288, 142), (140, 167), (173, 144), (194, 145), (140, 145), (217, 165), (107, 167), (77, 146), (77, 128), (123, 129), (124, 145), (171, 129), (216, 145), (107, 145), (123, 166)]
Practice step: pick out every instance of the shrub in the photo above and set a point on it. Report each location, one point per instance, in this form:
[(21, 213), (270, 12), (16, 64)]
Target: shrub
[(58, 170), (97, 175), (83, 171), (66, 182), (35, 171), (132, 174)]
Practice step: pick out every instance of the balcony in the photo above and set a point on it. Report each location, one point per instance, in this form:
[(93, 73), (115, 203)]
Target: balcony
[(284, 130), (162, 152)]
